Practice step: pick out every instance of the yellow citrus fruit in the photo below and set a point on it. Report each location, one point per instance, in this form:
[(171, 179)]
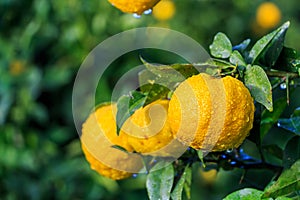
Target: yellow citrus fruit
[(98, 136), (211, 113), (164, 10), (134, 6), (103, 169), (268, 15), (147, 130)]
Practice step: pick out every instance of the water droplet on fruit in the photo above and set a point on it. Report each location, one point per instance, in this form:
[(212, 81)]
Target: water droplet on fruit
[(134, 175), (229, 150), (147, 12), (137, 16)]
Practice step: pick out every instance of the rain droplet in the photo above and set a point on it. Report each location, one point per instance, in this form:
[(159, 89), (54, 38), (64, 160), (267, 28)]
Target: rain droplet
[(247, 119), (134, 175), (223, 156), (283, 86), (137, 16), (229, 150), (147, 12), (233, 162)]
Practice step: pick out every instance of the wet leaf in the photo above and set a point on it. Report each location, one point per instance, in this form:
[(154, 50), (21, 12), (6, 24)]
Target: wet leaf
[(288, 60), (268, 119), (291, 152), (242, 46), (275, 47), (127, 105), (159, 183), (119, 148), (184, 180), (259, 85), (237, 59), (201, 157), (221, 46), (244, 194), (188, 184), (288, 182), (167, 75), (268, 48), (291, 124)]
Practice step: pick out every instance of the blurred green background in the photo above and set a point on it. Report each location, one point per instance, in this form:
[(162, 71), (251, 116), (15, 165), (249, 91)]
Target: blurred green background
[(42, 45)]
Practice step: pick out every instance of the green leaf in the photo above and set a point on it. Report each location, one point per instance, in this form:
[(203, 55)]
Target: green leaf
[(283, 198), (166, 75), (159, 183), (291, 124), (201, 156), (155, 92), (188, 184), (259, 85), (244, 194), (185, 179), (185, 70), (291, 152), (169, 76), (268, 48), (287, 183), (242, 46), (288, 60), (127, 105), (274, 150), (119, 148), (268, 119), (237, 59), (275, 47), (221, 46)]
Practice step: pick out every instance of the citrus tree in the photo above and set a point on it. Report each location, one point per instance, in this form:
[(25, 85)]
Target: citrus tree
[(43, 43), (205, 111)]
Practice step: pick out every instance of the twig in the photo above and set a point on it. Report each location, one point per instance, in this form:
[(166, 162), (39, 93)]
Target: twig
[(282, 74)]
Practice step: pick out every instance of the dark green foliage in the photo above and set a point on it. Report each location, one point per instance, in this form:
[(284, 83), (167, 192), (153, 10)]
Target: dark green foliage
[(42, 45)]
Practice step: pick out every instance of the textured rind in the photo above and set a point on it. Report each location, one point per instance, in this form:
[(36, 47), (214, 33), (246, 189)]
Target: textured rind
[(103, 169), (98, 135), (215, 130), (134, 6), (148, 132), (183, 111)]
